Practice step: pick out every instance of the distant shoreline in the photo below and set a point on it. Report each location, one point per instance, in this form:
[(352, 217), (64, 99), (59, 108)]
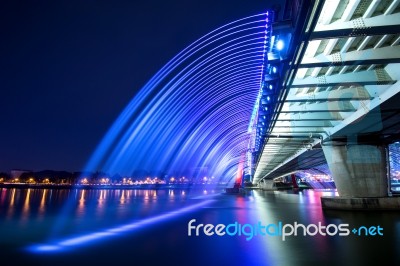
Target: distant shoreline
[(143, 186)]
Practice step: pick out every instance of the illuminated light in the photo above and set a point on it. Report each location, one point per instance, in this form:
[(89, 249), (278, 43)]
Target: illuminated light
[(45, 248), (270, 87), (258, 99), (279, 45), (75, 242), (274, 69), (272, 42), (268, 98)]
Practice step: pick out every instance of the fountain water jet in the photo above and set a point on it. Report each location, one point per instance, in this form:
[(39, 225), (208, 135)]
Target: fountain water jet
[(195, 111)]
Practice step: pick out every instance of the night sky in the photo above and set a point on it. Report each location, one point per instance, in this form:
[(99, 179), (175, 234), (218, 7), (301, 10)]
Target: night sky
[(68, 68)]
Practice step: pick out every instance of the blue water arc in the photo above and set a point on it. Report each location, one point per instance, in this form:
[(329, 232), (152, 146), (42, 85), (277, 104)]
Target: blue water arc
[(195, 111)]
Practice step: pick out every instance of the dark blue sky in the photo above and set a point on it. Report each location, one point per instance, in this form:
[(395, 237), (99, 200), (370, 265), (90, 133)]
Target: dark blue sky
[(68, 68)]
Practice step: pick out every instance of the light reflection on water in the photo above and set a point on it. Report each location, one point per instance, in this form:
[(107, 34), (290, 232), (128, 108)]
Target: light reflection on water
[(90, 208), (28, 216)]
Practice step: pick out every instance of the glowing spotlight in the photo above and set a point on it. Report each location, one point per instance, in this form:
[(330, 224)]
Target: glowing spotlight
[(279, 45)]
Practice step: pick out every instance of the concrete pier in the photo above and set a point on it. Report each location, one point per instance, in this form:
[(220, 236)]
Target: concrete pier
[(267, 185), (358, 170), (372, 204), (360, 175)]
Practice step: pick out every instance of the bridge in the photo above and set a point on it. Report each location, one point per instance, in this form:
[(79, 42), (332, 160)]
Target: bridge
[(331, 97)]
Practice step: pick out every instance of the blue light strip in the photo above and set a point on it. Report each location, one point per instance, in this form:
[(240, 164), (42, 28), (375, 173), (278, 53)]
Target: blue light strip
[(76, 242), (252, 143), (262, 74)]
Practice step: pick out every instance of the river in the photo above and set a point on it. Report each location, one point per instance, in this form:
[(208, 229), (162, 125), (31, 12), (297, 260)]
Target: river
[(150, 227)]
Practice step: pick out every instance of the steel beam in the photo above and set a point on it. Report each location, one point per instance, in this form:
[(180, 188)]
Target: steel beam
[(385, 55), (355, 78), (378, 25)]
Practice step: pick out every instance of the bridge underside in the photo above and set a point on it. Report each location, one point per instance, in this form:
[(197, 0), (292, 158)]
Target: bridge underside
[(389, 120), (341, 89)]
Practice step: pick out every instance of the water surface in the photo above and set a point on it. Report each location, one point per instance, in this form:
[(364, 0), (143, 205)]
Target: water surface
[(149, 227)]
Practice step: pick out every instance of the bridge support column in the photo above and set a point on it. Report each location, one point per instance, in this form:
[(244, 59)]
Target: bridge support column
[(360, 175), (358, 170), (267, 184)]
